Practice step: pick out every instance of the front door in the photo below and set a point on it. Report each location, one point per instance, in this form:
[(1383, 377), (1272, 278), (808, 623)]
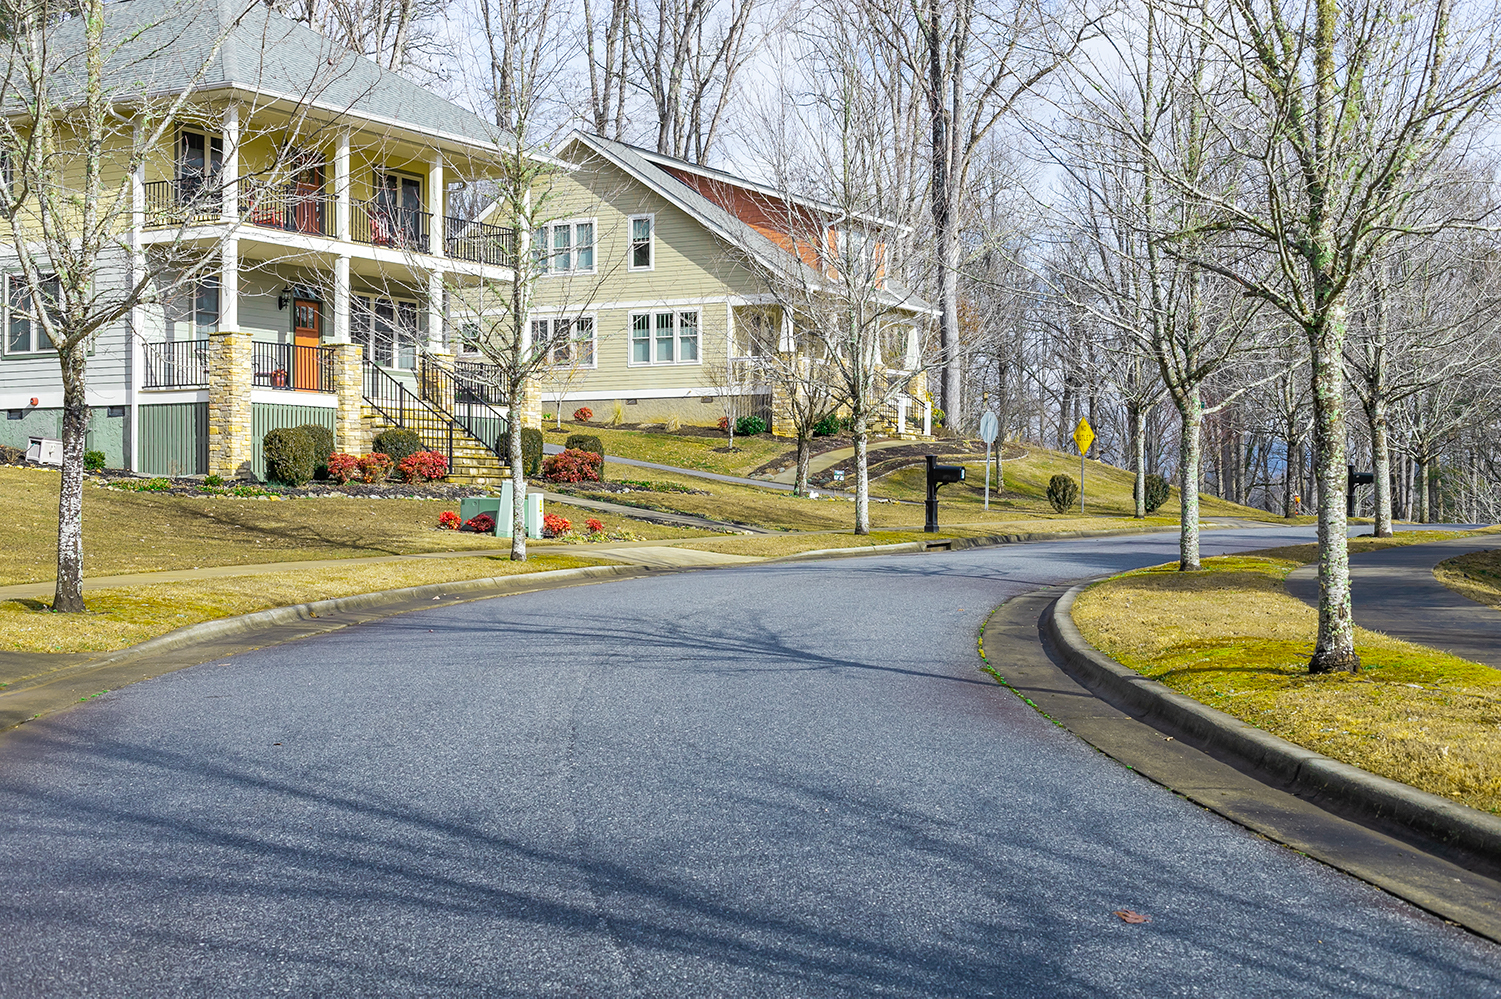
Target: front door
[(307, 334)]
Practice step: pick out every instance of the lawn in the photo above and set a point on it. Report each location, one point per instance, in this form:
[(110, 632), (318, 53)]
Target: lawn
[(1232, 637), (1476, 576), (704, 454)]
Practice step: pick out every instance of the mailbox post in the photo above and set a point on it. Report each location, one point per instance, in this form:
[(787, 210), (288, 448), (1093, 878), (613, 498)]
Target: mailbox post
[(1353, 479), (938, 475)]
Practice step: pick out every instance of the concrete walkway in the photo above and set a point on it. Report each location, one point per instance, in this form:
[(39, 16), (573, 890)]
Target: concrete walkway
[(734, 480), (1395, 592)]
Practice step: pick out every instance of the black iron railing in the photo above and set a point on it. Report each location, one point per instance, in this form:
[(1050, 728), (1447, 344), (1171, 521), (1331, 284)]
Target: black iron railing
[(184, 200), (469, 396), (183, 364), (403, 409), (378, 224), (293, 367), (478, 241), (288, 208)]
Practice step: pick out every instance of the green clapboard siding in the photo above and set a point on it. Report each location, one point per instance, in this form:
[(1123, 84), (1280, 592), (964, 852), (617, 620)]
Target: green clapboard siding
[(266, 416), (174, 439)]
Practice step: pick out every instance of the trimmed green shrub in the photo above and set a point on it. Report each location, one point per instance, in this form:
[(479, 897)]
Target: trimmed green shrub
[(322, 439), (396, 444), (1063, 492), (531, 450), (590, 443), (289, 456), (749, 426), (1157, 492), (828, 425), (93, 461)]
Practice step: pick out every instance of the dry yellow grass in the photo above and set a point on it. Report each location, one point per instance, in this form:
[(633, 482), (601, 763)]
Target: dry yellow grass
[(118, 618), (1232, 637), (1476, 576)]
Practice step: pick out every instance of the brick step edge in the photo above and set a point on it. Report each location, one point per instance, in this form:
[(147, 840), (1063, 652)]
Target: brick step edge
[(1463, 834)]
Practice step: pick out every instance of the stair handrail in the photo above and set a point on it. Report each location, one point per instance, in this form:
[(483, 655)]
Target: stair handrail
[(393, 400), (463, 400)]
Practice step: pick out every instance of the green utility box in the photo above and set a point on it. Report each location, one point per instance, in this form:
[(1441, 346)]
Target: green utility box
[(499, 507)]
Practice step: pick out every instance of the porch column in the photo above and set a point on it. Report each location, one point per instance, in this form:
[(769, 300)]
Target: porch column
[(137, 314), (434, 311), (230, 170), (341, 188), (341, 301), (229, 285), (435, 198), (349, 423), (229, 379), (927, 418), (902, 403)]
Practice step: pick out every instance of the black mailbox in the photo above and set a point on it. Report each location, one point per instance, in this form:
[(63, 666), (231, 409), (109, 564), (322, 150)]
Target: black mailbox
[(939, 475), (1353, 479)]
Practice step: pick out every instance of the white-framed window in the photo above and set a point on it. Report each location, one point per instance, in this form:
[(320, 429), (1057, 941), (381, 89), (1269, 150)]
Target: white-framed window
[(568, 342), (565, 247), (643, 253), (389, 329), (193, 312), (666, 337), (469, 337), (200, 158), (23, 334)]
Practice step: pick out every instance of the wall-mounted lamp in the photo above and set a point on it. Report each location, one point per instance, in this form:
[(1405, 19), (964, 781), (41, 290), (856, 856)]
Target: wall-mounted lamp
[(284, 298)]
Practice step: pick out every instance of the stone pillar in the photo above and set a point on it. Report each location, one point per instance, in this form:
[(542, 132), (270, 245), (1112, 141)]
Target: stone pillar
[(529, 406), (349, 386), (436, 390), (782, 423), (229, 378)]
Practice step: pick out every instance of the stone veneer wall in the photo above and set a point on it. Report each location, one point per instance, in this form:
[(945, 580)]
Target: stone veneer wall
[(229, 413), (350, 429)]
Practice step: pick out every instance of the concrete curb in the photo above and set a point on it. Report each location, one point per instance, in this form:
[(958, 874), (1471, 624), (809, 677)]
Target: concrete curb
[(1470, 836), (942, 543)]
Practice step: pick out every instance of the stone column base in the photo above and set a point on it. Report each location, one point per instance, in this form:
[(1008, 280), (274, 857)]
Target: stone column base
[(230, 438)]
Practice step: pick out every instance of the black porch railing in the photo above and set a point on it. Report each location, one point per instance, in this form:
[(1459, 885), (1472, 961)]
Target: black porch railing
[(183, 364), (377, 224), (479, 242), (181, 201), (403, 409), (464, 394), (289, 209), (293, 367)]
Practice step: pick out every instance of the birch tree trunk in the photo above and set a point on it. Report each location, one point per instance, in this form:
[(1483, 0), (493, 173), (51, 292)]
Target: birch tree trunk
[(1139, 457), (1190, 446), (1381, 466), (804, 454), (862, 475), (68, 596), (1420, 486), (1335, 650), (518, 484)]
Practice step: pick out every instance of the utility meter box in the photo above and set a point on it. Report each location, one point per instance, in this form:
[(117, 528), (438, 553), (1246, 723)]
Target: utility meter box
[(499, 507)]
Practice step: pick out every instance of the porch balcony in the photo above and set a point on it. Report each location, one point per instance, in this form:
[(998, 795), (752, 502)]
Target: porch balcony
[(292, 367), (183, 364)]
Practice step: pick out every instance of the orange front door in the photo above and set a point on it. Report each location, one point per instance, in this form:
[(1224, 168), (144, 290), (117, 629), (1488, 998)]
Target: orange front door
[(307, 334)]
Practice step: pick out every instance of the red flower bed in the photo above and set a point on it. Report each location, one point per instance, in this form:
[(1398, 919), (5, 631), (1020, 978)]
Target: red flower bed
[(573, 465), (424, 466), (374, 467), (595, 526), (554, 526), (481, 523), (724, 424), (583, 414), (342, 467), (449, 521)]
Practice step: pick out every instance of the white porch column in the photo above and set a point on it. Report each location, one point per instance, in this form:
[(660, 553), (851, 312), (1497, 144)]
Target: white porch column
[(229, 286), (137, 314), (230, 170), (341, 188), (435, 202), (341, 301), (902, 403), (927, 418), (434, 311)]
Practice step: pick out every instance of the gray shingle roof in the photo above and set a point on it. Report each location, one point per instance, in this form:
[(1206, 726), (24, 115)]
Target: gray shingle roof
[(162, 46)]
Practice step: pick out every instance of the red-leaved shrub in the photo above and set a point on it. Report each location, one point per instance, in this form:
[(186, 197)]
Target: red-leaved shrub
[(554, 526), (573, 465), (594, 526), (583, 414), (342, 467), (480, 523), (448, 520), (374, 467), (424, 466), (724, 424)]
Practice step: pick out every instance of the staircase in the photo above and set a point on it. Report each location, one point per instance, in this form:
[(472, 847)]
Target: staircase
[(452, 415)]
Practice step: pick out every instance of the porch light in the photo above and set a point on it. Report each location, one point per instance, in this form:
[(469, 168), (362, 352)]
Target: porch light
[(284, 298)]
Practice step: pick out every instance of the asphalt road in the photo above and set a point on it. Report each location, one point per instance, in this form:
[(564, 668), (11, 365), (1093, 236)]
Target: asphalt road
[(773, 781)]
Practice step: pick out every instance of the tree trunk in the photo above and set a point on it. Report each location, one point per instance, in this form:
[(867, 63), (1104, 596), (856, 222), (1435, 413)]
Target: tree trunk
[(1336, 642), (1381, 466), (1191, 409), (68, 597), (1139, 458), (804, 453), (518, 486), (1420, 487), (862, 476)]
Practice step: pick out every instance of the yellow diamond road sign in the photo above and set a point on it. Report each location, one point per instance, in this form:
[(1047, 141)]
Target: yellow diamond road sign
[(1083, 436)]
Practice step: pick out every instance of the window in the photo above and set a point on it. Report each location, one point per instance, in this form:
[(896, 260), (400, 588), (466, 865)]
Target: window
[(566, 248), (641, 242), (193, 313), (664, 337), (200, 157), (568, 342), (23, 334), (396, 217), (469, 338), (390, 331)]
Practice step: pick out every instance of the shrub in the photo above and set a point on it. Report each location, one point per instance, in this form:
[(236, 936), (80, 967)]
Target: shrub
[(590, 443), (938, 416), (343, 467), (214, 481), (554, 526), (1062, 492), (827, 426), (12, 455), (583, 414), (449, 521), (1157, 492), (374, 467), (424, 466), (724, 424), (572, 465), (156, 485), (322, 439), (594, 526), (531, 450), (748, 426), (481, 523), (93, 461), (397, 444), (289, 456)]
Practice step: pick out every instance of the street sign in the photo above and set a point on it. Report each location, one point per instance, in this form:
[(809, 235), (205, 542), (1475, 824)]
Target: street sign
[(1083, 435), (989, 427)]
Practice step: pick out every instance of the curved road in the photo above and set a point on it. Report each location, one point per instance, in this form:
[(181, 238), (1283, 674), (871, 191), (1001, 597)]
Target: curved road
[(786, 780)]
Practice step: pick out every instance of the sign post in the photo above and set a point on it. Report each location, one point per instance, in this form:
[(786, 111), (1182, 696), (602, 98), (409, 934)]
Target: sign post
[(989, 427), (1083, 437)]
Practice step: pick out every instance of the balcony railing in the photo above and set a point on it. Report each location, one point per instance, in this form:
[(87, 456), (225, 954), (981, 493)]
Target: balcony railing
[(293, 367), (289, 209), (377, 224), (183, 201), (183, 364), (478, 241)]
